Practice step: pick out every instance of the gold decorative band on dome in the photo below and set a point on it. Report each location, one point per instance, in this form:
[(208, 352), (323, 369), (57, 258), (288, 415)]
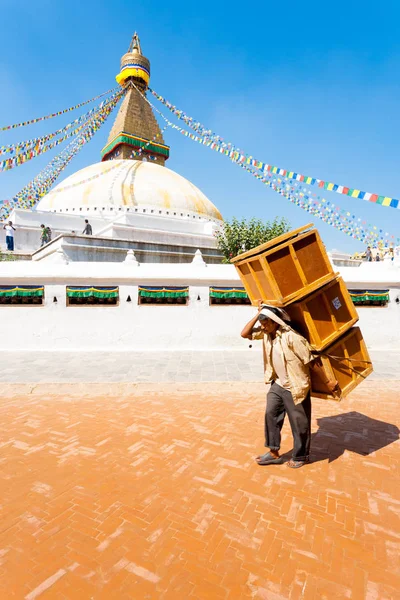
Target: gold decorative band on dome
[(133, 71), (136, 142)]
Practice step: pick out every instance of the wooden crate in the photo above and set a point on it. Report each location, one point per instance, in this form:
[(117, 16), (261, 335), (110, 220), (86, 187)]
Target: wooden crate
[(337, 366), (285, 269), (325, 315)]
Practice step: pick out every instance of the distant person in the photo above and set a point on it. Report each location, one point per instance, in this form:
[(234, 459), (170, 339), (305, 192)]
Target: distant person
[(378, 258), (45, 236), (368, 254), (88, 228), (9, 236)]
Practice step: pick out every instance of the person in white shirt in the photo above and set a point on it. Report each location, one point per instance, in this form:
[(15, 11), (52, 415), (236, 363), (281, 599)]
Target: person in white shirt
[(9, 236)]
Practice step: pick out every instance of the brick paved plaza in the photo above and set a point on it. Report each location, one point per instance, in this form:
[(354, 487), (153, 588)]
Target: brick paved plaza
[(151, 491)]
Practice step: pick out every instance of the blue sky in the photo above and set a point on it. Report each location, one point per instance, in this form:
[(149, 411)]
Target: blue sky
[(312, 87)]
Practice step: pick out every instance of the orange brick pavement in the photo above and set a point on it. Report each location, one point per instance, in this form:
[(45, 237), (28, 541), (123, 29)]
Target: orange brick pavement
[(151, 491)]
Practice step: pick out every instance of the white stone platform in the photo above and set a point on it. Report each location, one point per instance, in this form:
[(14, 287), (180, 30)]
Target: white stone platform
[(152, 367)]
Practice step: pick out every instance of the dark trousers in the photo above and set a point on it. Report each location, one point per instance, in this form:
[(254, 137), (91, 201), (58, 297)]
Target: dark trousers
[(280, 402), (10, 242)]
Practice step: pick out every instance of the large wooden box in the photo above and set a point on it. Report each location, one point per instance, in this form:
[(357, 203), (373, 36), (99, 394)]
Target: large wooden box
[(285, 269), (347, 361), (325, 315)]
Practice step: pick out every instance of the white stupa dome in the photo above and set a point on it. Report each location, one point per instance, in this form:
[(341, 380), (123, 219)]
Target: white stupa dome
[(129, 184)]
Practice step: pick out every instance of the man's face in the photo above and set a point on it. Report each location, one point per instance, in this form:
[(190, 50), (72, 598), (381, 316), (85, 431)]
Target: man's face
[(268, 325)]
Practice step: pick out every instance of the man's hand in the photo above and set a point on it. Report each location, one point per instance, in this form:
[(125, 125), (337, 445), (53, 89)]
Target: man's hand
[(333, 386)]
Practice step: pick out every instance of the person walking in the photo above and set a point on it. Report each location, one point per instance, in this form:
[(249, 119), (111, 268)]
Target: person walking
[(368, 254), (45, 236), (88, 228), (9, 236), (287, 364)]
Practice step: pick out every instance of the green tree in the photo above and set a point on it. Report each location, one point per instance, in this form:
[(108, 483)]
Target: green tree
[(238, 236), (6, 256)]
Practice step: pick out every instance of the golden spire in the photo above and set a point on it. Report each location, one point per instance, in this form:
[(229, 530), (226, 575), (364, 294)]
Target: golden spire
[(134, 66), (135, 45), (135, 134)]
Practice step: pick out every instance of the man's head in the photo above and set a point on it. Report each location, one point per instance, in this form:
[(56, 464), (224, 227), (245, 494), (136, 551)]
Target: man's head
[(10, 223), (271, 318), (86, 221), (42, 226), (267, 324)]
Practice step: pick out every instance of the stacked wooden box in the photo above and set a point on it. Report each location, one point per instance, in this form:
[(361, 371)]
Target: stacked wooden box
[(294, 271)]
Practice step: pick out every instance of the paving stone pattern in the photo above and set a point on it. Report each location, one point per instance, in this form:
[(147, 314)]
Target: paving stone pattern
[(26, 367), (151, 491)]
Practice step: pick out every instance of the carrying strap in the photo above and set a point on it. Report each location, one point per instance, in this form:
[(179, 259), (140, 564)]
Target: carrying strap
[(351, 360)]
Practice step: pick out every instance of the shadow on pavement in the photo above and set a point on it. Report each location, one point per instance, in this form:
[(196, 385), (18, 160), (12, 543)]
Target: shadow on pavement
[(351, 431)]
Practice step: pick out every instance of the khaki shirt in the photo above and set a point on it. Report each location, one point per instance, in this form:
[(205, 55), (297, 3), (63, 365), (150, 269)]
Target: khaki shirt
[(297, 356)]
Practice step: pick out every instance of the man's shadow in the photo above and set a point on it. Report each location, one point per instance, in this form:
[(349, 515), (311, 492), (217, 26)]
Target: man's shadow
[(351, 431)]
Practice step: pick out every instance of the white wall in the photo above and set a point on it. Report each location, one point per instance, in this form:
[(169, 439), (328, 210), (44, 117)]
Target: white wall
[(129, 326), (380, 326)]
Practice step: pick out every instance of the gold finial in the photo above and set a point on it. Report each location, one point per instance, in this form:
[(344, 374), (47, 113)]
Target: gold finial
[(135, 45)]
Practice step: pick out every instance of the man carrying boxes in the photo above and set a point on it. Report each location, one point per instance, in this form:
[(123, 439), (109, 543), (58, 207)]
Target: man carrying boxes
[(287, 363), (291, 278)]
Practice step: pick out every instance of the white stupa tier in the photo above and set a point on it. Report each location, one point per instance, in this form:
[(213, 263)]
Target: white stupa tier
[(130, 204), (126, 185)]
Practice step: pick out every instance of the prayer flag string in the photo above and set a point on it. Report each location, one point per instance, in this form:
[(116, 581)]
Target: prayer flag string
[(330, 213), (40, 147), (239, 156), (60, 112), (37, 143), (29, 196)]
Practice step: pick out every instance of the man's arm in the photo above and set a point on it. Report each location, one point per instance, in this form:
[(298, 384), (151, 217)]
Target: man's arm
[(302, 350), (317, 368), (248, 328)]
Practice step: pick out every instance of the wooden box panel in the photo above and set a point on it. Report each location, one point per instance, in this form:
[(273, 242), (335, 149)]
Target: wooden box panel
[(325, 315), (285, 269), (336, 363)]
